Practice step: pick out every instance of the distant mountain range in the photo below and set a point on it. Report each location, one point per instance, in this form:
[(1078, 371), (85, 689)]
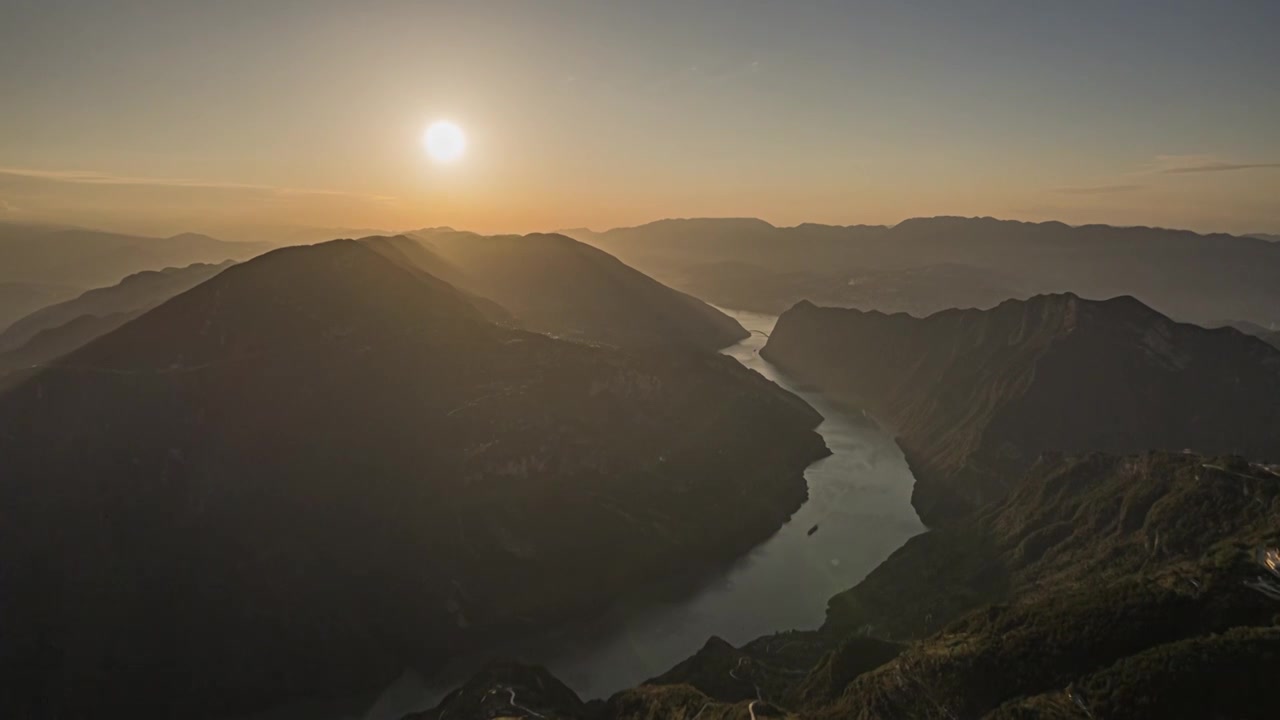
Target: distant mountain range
[(1270, 336), (919, 291), (320, 466), (975, 396), (1104, 586), (93, 258), (1186, 275), (62, 327), (20, 298), (554, 285), (227, 485)]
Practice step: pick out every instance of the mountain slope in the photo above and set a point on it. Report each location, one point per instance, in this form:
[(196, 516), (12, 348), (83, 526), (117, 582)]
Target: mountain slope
[(413, 255), (1122, 589), (319, 467), (1183, 274), (975, 396), (1105, 587), (20, 298), (554, 284), (132, 295), (1270, 337), (92, 258), (55, 342), (919, 291)]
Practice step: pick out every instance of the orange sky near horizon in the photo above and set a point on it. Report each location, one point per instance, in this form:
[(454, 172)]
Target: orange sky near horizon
[(251, 120)]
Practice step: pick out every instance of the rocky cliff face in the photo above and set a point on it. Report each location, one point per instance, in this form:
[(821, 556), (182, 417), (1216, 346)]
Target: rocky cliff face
[(318, 467), (975, 396), (1104, 586)]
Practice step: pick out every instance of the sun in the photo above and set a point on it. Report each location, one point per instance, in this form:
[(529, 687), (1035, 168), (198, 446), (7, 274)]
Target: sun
[(444, 141)]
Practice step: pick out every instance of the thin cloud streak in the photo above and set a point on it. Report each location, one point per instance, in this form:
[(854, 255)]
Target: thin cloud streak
[(1099, 189), (1219, 167), (93, 177)]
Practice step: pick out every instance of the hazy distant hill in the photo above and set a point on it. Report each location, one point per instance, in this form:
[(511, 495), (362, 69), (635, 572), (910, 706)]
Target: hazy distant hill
[(667, 247), (918, 291), (319, 467), (1265, 236), (19, 298), (974, 396), (1272, 337), (554, 284), (1104, 586), (1183, 274), (136, 293), (91, 258)]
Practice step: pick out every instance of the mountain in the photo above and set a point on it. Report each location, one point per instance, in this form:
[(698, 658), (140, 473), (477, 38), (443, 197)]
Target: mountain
[(1183, 274), (1271, 337), (666, 248), (55, 342), (554, 284), (318, 468), (19, 298), (918, 291), (91, 258), (1269, 237), (414, 256), (975, 396), (130, 297), (1105, 586)]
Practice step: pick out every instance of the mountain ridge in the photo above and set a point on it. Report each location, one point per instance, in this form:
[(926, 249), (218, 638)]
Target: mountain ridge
[(352, 469), (976, 395)]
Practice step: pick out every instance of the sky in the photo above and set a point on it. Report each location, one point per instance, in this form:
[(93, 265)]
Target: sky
[(250, 118)]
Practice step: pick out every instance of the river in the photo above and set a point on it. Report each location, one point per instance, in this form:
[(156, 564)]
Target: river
[(860, 501)]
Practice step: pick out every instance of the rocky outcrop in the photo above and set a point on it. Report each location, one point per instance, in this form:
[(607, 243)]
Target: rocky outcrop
[(318, 468), (975, 396)]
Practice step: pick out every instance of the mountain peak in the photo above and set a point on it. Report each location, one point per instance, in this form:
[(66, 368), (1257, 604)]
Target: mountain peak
[(976, 395)]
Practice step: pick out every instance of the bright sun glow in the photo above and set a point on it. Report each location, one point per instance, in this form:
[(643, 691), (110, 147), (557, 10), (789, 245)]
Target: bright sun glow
[(444, 141)]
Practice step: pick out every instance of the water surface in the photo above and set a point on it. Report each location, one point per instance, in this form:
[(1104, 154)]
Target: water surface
[(860, 501)]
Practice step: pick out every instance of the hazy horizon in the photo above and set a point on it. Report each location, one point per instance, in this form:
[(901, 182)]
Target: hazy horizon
[(237, 119)]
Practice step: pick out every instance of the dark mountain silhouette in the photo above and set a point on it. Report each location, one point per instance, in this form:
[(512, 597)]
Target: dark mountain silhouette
[(414, 256), (130, 297), (1104, 586), (92, 258), (1183, 274), (975, 396), (20, 298), (511, 689), (1271, 337), (554, 284), (319, 467)]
